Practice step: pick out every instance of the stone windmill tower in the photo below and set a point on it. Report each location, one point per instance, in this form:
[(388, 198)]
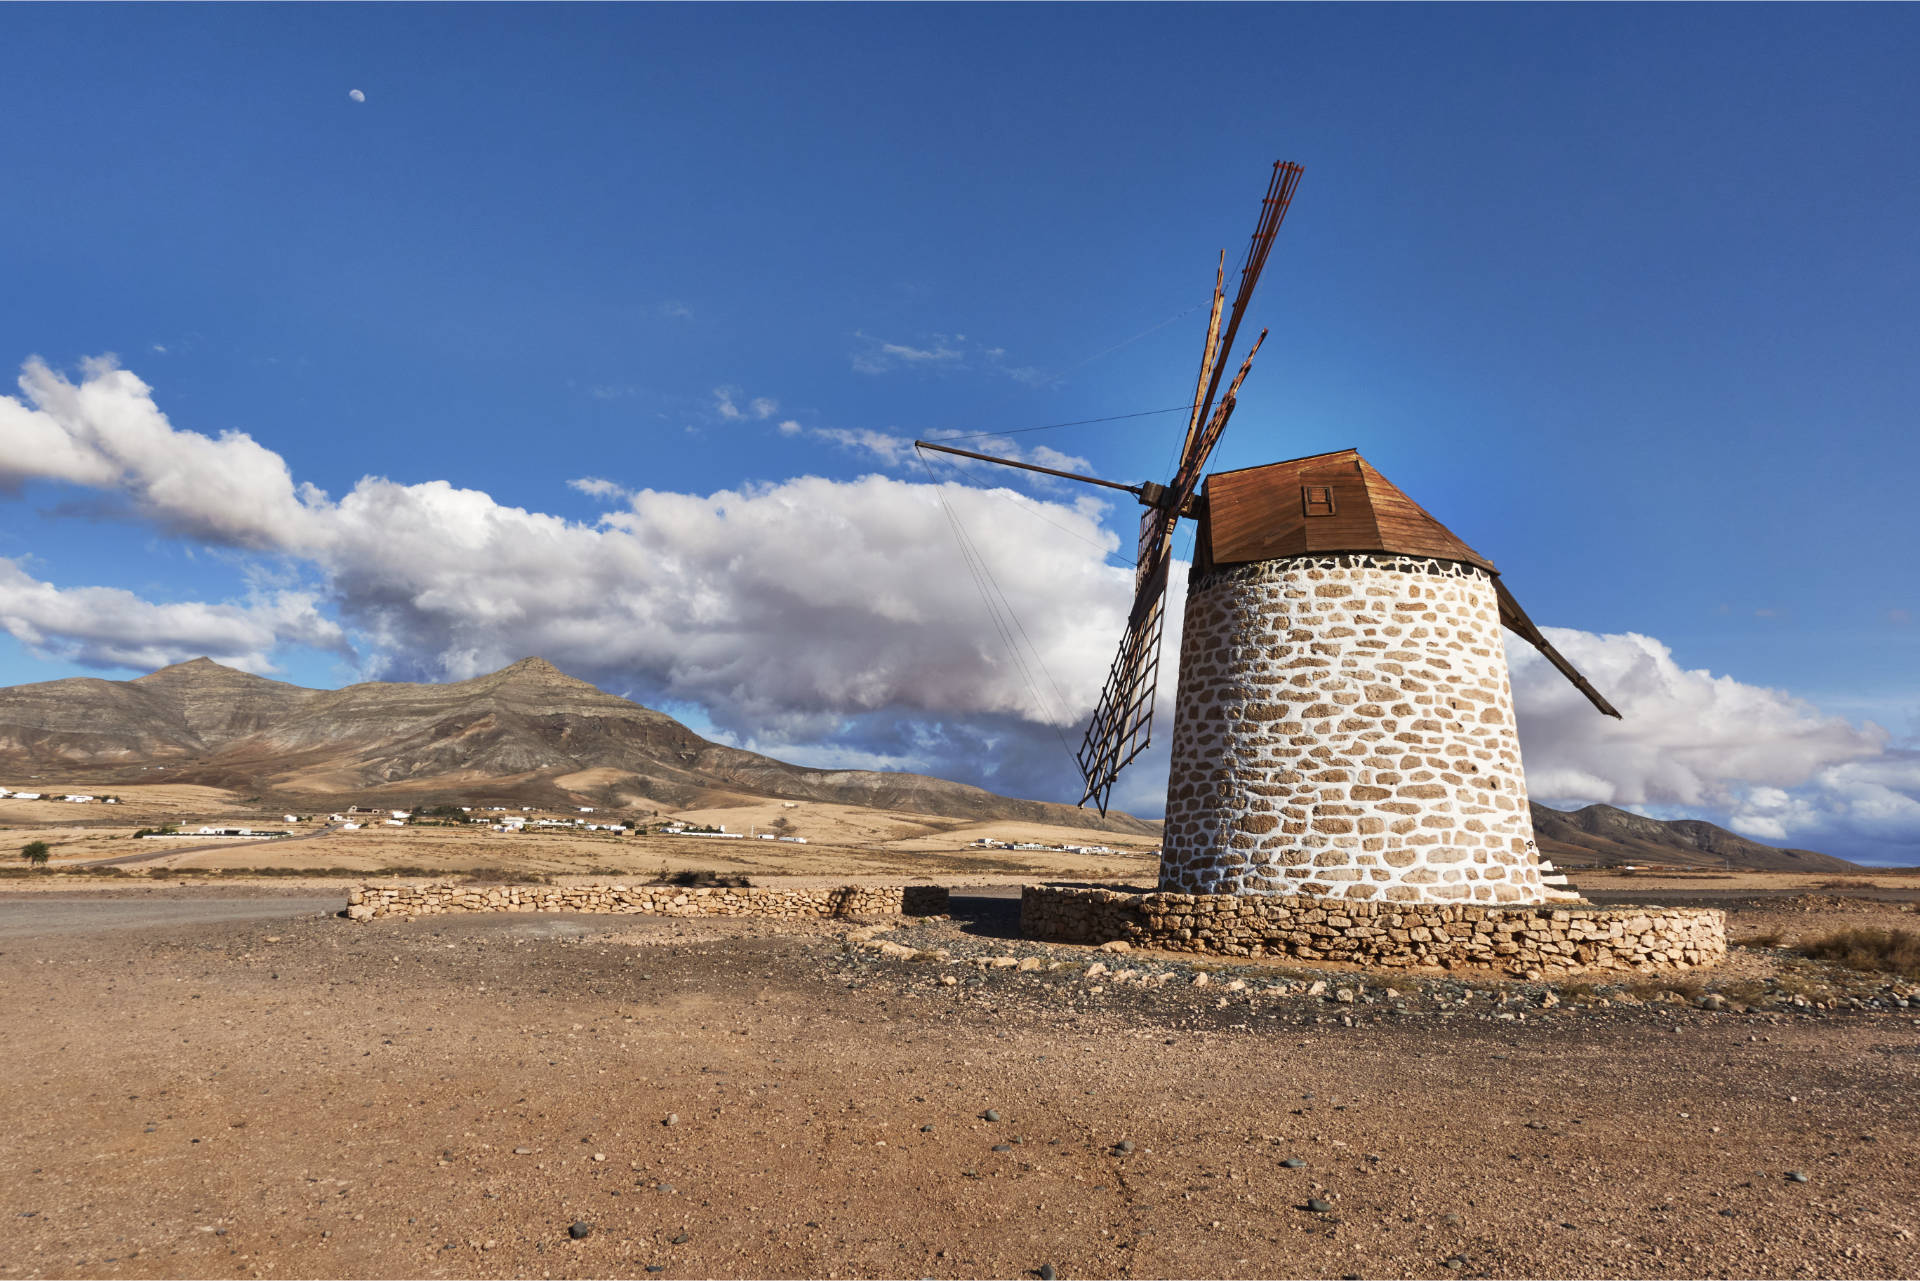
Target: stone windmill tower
[(1344, 724)]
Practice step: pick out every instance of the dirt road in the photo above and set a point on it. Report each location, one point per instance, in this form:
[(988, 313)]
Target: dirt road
[(295, 1095), (24, 918)]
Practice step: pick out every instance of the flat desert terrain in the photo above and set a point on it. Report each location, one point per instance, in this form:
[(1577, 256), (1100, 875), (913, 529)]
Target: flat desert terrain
[(211, 1080), (210, 1073)]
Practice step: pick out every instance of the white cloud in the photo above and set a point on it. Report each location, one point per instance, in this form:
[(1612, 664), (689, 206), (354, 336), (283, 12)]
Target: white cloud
[(833, 619), (356, 95), (1769, 765), (790, 427), (595, 487), (110, 627), (889, 449), (1685, 737), (674, 310), (106, 433), (943, 352), (726, 404)]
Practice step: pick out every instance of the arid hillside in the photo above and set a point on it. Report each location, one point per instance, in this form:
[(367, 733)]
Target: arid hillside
[(1600, 835), (529, 733)]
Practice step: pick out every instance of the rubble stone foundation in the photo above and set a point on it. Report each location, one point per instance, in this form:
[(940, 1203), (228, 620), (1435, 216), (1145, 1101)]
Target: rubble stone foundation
[(1527, 942), (365, 902)]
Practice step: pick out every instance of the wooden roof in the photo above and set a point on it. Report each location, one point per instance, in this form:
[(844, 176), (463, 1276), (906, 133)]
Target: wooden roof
[(1332, 502), (1338, 503)]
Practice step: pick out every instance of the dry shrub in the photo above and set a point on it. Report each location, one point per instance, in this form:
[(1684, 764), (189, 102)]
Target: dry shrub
[(1667, 987), (1888, 951), (1847, 883), (1771, 939)]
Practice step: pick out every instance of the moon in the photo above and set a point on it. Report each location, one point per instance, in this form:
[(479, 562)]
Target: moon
[(356, 95)]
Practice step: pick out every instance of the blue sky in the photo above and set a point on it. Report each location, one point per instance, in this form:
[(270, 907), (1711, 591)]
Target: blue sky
[(1623, 294)]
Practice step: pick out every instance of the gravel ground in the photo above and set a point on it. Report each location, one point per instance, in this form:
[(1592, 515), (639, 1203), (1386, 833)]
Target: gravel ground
[(586, 1096)]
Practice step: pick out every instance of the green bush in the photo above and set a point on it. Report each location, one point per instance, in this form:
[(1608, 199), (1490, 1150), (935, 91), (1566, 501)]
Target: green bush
[(36, 853)]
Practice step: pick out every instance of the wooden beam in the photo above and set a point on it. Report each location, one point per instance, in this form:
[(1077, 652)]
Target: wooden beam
[(1135, 490), (1516, 619)]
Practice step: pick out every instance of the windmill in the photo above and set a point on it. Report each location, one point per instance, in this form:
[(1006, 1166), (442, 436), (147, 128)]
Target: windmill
[(1344, 722)]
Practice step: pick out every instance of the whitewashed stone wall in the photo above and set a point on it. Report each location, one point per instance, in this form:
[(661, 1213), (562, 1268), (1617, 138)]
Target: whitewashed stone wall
[(1344, 728)]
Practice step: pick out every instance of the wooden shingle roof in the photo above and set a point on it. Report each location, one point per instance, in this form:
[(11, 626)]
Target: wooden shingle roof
[(1338, 502), (1333, 502)]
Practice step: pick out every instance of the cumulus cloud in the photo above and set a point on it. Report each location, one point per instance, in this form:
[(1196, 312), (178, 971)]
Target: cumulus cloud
[(833, 620), (1770, 765), (106, 433), (109, 627)]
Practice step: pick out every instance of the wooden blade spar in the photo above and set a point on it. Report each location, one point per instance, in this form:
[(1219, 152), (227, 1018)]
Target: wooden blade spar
[(1122, 724)]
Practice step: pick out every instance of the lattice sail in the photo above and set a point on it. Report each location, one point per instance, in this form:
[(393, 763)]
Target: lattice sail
[(1122, 725)]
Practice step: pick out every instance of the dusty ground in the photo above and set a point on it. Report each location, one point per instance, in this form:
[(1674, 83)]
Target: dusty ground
[(260, 1089)]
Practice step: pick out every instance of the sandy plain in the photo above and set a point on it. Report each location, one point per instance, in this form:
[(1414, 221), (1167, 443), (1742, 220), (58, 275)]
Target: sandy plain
[(218, 1077)]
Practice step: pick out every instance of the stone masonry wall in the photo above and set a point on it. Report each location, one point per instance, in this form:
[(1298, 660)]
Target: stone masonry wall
[(365, 902), (1529, 942), (1344, 729)]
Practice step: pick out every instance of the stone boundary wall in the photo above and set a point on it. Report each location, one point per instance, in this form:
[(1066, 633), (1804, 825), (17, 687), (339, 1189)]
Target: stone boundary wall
[(365, 902), (1528, 942)]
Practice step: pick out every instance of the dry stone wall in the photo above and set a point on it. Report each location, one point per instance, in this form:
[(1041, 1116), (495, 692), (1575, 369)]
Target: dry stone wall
[(1344, 729), (366, 902), (1529, 942)]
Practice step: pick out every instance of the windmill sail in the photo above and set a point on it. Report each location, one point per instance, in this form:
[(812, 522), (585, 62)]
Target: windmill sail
[(1122, 724)]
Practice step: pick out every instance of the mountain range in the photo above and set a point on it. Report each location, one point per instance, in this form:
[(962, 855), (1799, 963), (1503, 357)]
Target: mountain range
[(531, 734), (527, 733)]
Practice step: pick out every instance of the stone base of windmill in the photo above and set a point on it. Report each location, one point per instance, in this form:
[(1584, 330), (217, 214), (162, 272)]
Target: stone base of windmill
[(1525, 941)]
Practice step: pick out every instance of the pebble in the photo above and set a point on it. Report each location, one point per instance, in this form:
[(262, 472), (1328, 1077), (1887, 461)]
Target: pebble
[(580, 1230), (523, 1151), (673, 1118), (1047, 1273), (667, 1188), (990, 1115), (1292, 1163), (1123, 1147), (1796, 1176), (1456, 1263), (1003, 1147), (680, 1239), (1318, 1206)]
